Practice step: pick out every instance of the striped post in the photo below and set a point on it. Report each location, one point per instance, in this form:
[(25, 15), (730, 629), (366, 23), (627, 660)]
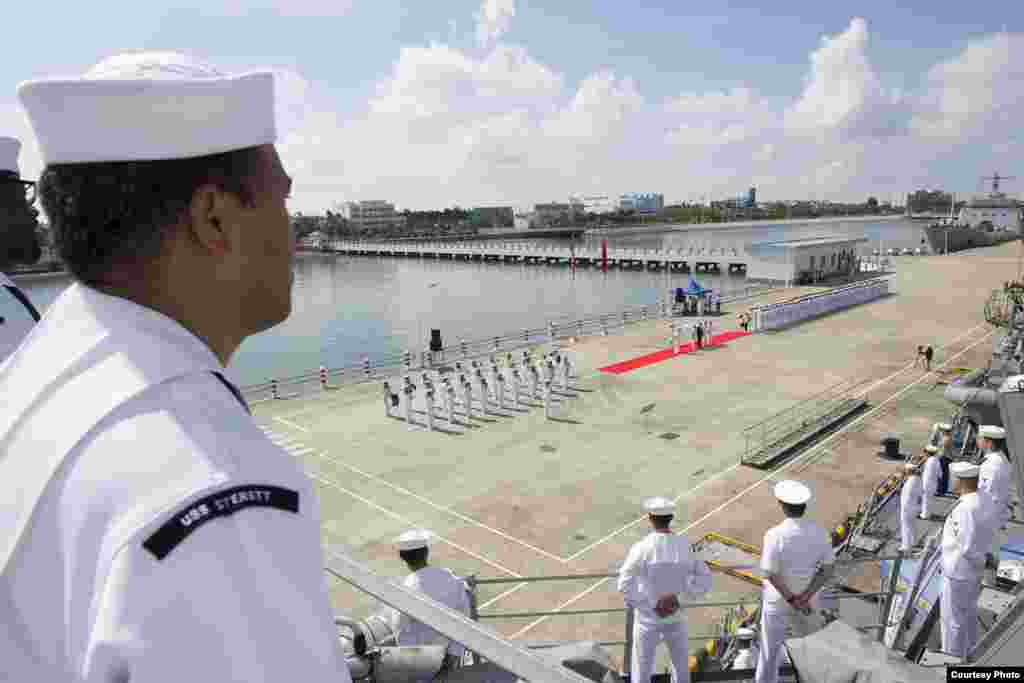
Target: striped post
[(366, 366), (497, 343), (526, 336), (273, 389), (323, 377), (551, 331), (462, 345)]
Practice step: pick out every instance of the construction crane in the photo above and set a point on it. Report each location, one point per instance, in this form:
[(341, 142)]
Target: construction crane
[(995, 178)]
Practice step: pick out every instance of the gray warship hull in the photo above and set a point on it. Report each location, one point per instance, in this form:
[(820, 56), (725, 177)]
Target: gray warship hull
[(943, 238)]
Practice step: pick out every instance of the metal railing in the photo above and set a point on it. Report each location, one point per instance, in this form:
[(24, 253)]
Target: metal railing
[(888, 593), (389, 365), (760, 438)]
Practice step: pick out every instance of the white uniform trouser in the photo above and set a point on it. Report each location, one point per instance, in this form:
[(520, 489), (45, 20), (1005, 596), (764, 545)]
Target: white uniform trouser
[(925, 499), (907, 527), (408, 408), (533, 385), (959, 615), (483, 398), (450, 408), (467, 402), (646, 637), (515, 393), (547, 402), (565, 376), (430, 414), (499, 393), (387, 404), (776, 627)]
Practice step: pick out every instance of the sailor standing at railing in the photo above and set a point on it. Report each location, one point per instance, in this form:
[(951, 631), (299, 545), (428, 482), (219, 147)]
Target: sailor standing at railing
[(157, 533), (910, 505), (966, 537), (994, 478), (931, 479), (657, 571), (796, 560), (438, 584)]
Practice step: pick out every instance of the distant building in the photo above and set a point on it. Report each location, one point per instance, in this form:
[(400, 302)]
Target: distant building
[(595, 204), (546, 215), (374, 213), (1001, 211), (642, 203), (493, 217), (313, 240)]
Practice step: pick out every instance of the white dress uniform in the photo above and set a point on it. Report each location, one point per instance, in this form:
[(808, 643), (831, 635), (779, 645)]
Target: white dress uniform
[(171, 539), (514, 387), (794, 550), (150, 530), (658, 565), (17, 317), (966, 537), (910, 506), (439, 585), (932, 476)]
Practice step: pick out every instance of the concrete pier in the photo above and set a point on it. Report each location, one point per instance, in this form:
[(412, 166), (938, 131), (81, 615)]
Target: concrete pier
[(516, 494), (699, 258)]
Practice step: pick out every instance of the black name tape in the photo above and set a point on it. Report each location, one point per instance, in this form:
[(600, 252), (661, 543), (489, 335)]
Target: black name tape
[(220, 504)]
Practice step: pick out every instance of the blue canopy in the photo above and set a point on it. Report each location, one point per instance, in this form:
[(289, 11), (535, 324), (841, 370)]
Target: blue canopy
[(694, 289)]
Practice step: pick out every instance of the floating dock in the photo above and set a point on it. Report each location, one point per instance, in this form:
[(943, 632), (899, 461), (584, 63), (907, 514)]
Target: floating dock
[(696, 258)]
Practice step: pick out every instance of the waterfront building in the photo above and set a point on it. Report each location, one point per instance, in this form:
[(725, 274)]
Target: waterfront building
[(804, 260), (642, 203), (595, 204), (493, 217), (374, 213), (546, 215)]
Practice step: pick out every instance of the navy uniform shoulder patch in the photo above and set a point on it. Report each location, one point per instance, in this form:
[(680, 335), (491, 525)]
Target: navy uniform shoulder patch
[(220, 504)]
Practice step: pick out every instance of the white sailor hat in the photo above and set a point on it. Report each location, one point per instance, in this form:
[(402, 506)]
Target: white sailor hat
[(931, 449), (9, 148), (414, 540), (992, 432), (745, 633), (659, 507), (945, 427), (792, 492), (148, 106), (964, 470)]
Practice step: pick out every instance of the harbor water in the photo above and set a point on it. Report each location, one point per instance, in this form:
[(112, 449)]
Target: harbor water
[(347, 308)]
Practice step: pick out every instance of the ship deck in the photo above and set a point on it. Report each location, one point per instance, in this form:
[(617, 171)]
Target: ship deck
[(518, 495)]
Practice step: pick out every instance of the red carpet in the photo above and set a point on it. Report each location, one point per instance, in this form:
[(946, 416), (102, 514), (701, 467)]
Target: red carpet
[(658, 356)]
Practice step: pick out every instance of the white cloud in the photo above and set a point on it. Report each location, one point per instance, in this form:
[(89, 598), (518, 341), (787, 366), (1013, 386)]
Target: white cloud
[(292, 8), (978, 91), (493, 19), (738, 101)]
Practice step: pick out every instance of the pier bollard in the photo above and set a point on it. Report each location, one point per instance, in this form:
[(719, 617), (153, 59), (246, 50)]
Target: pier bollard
[(366, 366), (273, 389), (323, 378)]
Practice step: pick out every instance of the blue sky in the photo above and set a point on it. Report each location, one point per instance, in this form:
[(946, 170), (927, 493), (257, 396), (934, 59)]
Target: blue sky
[(407, 101)]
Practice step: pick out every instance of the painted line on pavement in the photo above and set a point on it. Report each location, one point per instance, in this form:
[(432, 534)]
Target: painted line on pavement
[(775, 473), (410, 523), (443, 508)]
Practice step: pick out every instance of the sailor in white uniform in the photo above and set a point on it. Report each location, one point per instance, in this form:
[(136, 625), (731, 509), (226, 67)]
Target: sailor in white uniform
[(994, 477), (436, 583), (387, 399), (481, 382), (449, 400), (429, 404), (499, 388), (514, 386), (966, 537), (910, 505), (567, 372), (151, 531), (548, 405), (467, 396), (409, 392), (657, 571), (17, 313), (931, 479), (796, 560)]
